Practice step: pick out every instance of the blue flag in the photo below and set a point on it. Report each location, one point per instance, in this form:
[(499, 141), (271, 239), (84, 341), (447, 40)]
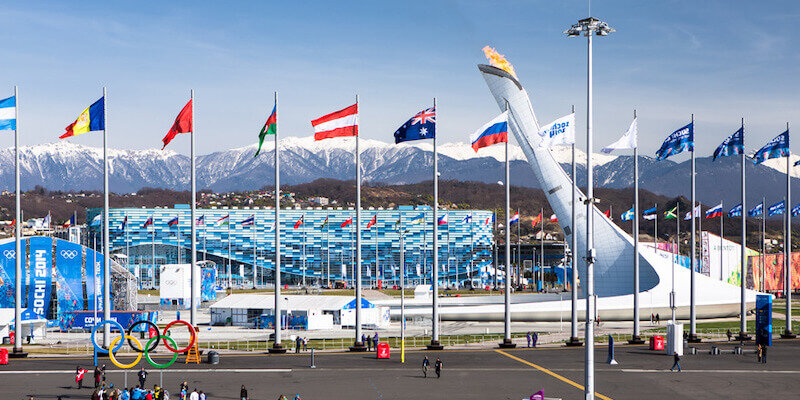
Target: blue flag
[(8, 114), (756, 211), (796, 210), (677, 142), (732, 145), (736, 211), (627, 215), (776, 148), (777, 208), (649, 211), (420, 126)]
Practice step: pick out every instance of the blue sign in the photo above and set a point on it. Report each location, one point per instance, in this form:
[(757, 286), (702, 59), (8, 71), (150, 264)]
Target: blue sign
[(764, 319), (69, 284), (94, 279), (86, 319), (41, 278), (7, 274)]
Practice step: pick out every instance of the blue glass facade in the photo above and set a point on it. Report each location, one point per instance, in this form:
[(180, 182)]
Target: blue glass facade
[(314, 248)]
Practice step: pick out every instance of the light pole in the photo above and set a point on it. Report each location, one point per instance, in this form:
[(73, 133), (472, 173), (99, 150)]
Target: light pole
[(589, 27)]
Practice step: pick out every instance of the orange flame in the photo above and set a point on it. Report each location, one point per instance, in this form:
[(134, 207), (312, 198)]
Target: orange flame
[(498, 60)]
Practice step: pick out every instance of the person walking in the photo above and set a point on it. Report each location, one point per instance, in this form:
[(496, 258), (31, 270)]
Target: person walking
[(194, 395), (142, 374), (529, 339), (97, 376), (759, 352), (369, 343), (202, 395), (535, 338), (79, 373), (658, 319), (425, 364), (729, 334), (764, 354), (243, 393), (298, 343), (676, 362), (438, 367), (375, 341)]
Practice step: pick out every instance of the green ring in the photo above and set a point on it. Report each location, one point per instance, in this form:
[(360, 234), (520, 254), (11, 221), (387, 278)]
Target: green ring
[(150, 360)]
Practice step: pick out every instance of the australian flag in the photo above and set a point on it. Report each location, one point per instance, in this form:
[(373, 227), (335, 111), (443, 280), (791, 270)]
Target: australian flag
[(776, 148), (677, 142), (733, 145), (756, 211), (420, 126), (735, 211)]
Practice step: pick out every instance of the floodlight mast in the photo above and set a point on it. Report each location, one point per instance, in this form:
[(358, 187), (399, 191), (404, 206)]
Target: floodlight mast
[(589, 27)]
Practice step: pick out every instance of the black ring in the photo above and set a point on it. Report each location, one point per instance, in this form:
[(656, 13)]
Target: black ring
[(146, 322)]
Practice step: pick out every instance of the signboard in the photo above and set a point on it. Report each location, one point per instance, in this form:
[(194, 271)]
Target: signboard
[(40, 274), (764, 319), (86, 319), (69, 284)]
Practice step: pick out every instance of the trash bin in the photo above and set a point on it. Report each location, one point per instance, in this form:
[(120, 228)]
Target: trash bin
[(383, 350), (213, 357), (6, 340), (3, 356), (656, 342)]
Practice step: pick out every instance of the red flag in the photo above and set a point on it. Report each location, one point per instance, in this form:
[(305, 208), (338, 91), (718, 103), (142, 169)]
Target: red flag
[(536, 220), (183, 124), (607, 213), (553, 218), (299, 222), (337, 124), (373, 221), (347, 222)]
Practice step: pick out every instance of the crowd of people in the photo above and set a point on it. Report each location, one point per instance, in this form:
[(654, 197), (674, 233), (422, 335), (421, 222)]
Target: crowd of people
[(104, 390)]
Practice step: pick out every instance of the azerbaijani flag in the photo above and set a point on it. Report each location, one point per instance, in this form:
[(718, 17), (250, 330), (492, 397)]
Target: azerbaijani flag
[(493, 132), (270, 128), (93, 118), (324, 223)]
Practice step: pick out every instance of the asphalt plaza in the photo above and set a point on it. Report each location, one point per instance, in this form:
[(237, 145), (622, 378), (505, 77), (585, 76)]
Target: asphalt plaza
[(467, 374)]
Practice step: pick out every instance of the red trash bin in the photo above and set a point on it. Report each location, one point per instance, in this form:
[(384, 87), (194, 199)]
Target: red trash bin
[(3, 356), (12, 336), (383, 350), (656, 342)]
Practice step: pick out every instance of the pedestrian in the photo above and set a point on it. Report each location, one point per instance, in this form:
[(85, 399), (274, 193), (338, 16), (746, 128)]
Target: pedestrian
[(529, 339), (142, 374), (202, 395), (759, 352), (438, 367), (305, 343), (676, 362), (375, 341), (79, 372), (148, 395), (157, 393), (658, 319), (535, 338), (125, 395), (97, 376), (729, 334), (298, 343), (425, 364), (243, 393), (363, 339), (96, 394), (764, 354), (194, 395), (369, 343), (103, 371), (652, 318)]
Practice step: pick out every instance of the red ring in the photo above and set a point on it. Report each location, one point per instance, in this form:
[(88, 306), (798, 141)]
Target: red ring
[(191, 342)]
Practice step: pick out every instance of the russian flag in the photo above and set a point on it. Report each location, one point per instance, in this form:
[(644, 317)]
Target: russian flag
[(493, 132), (715, 211), (442, 220), (173, 222), (148, 222)]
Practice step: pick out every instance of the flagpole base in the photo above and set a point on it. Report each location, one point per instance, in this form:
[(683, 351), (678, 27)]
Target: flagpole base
[(17, 353), (276, 349), (636, 339), (358, 347), (435, 345), (787, 334), (692, 338), (574, 342), (507, 344)]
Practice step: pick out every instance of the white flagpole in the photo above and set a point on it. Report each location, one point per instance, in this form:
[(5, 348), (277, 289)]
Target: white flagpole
[(787, 248), (693, 258), (17, 236), (573, 338), (435, 345), (636, 338), (328, 248), (721, 242), (106, 258), (276, 346), (193, 239), (743, 261), (507, 343), (255, 267), (358, 345), (303, 218)]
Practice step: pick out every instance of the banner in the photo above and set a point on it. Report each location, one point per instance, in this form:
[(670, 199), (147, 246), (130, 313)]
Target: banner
[(207, 292), (7, 274), (41, 278), (69, 284), (771, 271), (94, 280)]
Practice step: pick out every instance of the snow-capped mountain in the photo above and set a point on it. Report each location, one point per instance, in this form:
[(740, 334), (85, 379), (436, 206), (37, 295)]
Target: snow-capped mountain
[(67, 166)]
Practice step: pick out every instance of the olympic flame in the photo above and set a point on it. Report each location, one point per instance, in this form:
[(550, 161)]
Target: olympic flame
[(498, 60)]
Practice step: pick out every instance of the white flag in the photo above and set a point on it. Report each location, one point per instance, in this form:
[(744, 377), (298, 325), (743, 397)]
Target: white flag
[(344, 270), (696, 214), (628, 140), (558, 132)]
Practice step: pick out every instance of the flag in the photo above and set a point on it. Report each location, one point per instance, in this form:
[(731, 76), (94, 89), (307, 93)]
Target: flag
[(124, 223), (148, 222), (714, 212), (796, 210), (324, 223), (347, 222), (733, 144), (736, 211), (341, 123), (97, 220), (488, 221), (183, 124), (8, 114), (650, 214), (467, 219), (796, 163), (671, 214), (251, 220), (515, 218), (420, 126), (442, 220), (560, 131), (493, 132), (173, 222), (607, 213), (223, 221), (553, 218), (776, 148), (776, 208), (628, 140), (372, 221), (756, 211), (270, 128), (627, 215), (677, 142), (91, 119), (71, 221), (300, 222), (536, 220), (201, 220), (418, 219), (689, 215), (46, 221)]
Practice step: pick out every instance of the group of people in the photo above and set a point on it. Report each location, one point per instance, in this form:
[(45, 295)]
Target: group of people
[(655, 319), (106, 391), (244, 395), (437, 366), (300, 342), (370, 342), (533, 337)]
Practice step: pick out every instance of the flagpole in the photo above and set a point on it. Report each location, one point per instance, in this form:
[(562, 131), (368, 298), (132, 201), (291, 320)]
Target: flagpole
[(376, 250), (230, 264), (693, 257), (763, 242), (358, 345), (193, 212), (655, 225), (787, 248), (255, 268), (721, 241), (17, 237), (303, 218), (402, 293), (743, 261), (507, 343), (434, 344), (276, 346), (636, 338), (541, 243), (106, 258), (573, 338), (471, 250), (328, 246)]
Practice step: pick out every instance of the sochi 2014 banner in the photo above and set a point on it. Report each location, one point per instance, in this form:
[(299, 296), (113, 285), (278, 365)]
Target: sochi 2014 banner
[(94, 279), (69, 285), (7, 274), (41, 278)]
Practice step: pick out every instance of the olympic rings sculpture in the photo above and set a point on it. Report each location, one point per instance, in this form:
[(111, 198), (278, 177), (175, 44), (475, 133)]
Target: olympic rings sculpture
[(136, 345)]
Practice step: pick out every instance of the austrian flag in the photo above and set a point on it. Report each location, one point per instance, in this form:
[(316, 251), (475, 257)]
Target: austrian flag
[(341, 123)]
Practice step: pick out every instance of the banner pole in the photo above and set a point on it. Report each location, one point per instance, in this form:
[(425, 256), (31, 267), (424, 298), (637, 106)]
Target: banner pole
[(276, 345), (106, 258), (17, 235), (435, 345)]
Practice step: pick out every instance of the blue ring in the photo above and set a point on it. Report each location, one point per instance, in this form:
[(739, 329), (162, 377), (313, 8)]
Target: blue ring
[(94, 332)]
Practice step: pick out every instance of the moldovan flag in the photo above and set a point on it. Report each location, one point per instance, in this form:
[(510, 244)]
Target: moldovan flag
[(183, 124), (341, 123), (93, 118)]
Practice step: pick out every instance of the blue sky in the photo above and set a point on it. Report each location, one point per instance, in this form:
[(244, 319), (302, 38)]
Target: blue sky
[(721, 60)]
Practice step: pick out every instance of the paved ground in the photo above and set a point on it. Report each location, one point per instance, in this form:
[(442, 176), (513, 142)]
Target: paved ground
[(468, 374)]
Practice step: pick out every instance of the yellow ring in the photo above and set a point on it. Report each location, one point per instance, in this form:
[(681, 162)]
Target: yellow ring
[(114, 359)]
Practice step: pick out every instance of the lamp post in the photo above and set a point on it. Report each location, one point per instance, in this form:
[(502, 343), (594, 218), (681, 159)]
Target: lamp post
[(589, 27)]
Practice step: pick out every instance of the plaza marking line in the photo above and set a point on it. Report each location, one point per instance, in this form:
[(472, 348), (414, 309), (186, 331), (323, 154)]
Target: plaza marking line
[(184, 370), (709, 371), (551, 373)]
